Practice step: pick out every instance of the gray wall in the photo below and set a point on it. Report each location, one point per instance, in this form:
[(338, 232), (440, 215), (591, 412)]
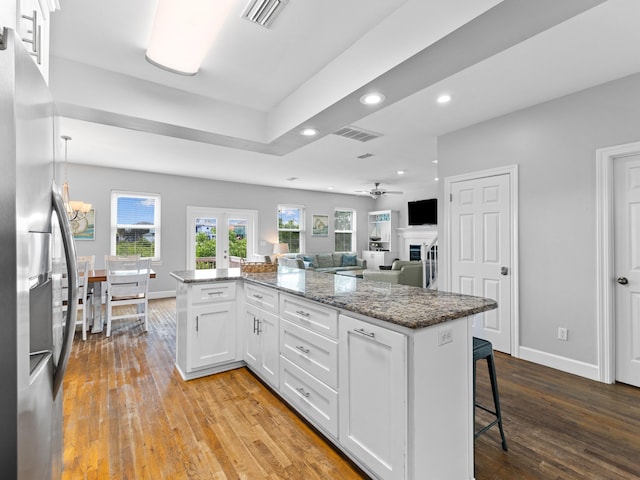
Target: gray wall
[(554, 144), (94, 185)]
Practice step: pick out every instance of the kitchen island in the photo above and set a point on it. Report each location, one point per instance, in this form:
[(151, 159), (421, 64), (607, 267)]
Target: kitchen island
[(383, 371)]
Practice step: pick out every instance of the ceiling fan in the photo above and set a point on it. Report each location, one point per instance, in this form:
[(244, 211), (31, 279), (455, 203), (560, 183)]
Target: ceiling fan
[(376, 192)]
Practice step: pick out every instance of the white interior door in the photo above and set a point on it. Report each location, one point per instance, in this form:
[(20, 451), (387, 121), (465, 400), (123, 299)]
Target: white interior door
[(219, 238), (480, 244), (627, 268)]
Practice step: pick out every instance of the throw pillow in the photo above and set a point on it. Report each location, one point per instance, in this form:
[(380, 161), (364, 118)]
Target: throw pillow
[(349, 260), (307, 264), (308, 261), (325, 260)]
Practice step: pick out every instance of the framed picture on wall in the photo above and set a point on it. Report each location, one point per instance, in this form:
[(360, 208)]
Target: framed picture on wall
[(83, 225), (320, 225)]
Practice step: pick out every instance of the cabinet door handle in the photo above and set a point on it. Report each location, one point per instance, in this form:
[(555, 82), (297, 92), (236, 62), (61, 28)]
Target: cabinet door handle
[(259, 297), (362, 331), (254, 324), (303, 313), (33, 31), (302, 392), (302, 349), (258, 331), (197, 322)]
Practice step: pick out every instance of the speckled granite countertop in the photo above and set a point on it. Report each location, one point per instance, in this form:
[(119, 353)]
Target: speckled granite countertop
[(410, 307)]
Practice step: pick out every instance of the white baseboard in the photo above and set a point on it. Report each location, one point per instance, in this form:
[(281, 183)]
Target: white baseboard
[(564, 364), (165, 294)]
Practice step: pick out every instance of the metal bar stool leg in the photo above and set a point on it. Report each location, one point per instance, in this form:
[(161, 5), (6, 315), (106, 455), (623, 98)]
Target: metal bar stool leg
[(484, 349), (496, 397)]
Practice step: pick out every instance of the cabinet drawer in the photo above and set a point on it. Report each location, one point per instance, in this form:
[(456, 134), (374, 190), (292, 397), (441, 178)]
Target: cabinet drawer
[(264, 298), (315, 353), (310, 315), (310, 396), (212, 292)]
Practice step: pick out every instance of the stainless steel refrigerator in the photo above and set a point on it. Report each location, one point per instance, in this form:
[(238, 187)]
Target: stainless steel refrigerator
[(35, 334)]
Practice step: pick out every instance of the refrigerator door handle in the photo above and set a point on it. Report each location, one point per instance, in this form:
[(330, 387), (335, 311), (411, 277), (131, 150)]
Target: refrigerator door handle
[(72, 298)]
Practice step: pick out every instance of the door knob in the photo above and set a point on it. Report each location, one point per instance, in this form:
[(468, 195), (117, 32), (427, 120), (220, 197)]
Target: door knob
[(504, 270), (622, 280)]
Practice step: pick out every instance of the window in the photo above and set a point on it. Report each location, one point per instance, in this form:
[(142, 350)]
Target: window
[(345, 230), (291, 227), (135, 224)]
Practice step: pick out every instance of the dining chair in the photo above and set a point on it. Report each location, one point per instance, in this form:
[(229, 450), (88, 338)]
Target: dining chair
[(120, 257), (127, 284), (84, 299), (90, 291)]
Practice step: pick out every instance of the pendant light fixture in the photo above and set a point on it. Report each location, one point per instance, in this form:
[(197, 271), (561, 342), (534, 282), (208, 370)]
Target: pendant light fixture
[(76, 210)]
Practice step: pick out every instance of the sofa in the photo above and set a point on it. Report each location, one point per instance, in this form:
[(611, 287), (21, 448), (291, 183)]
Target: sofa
[(404, 272), (324, 262)]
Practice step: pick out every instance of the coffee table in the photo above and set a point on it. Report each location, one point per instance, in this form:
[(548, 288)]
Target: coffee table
[(350, 273)]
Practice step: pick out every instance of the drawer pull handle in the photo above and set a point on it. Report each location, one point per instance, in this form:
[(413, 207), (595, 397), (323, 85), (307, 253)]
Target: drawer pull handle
[(215, 293), (197, 323), (303, 313), (302, 392), (257, 296), (302, 349), (362, 331)]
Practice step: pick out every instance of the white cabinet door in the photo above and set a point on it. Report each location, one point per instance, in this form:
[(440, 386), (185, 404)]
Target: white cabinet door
[(262, 343), (251, 338), (374, 259), (213, 335), (269, 335), (373, 406)]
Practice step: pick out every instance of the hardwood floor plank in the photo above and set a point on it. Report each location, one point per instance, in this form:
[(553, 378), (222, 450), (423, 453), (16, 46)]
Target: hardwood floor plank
[(128, 415)]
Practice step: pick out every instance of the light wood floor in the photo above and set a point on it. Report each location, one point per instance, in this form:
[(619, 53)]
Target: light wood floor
[(128, 415)]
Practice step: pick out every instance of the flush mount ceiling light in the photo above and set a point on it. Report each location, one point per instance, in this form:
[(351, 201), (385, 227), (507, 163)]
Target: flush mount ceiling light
[(372, 98), (308, 132), (264, 12), (444, 98), (183, 33)]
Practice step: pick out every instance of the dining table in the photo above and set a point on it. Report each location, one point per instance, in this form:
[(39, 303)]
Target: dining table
[(96, 277)]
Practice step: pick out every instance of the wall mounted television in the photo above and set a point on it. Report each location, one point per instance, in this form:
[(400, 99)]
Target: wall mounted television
[(423, 212)]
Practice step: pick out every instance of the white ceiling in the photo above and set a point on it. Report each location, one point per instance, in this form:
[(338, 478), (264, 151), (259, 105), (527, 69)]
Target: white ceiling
[(238, 119)]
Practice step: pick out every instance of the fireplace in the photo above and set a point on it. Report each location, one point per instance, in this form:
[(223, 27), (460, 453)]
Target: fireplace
[(414, 252)]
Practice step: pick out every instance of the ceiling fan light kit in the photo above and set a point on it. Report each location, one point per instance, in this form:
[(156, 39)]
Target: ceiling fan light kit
[(377, 192)]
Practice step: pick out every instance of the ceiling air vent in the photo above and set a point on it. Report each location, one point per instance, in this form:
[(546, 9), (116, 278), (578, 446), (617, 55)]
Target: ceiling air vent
[(264, 12), (357, 134)]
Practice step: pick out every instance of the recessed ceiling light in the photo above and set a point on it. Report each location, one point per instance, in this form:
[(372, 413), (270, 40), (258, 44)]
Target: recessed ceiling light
[(434, 161), (308, 132), (330, 187), (373, 98), (400, 172), (445, 98), (436, 179)]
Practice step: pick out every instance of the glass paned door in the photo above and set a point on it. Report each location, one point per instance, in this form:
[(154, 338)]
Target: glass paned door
[(206, 242), (237, 240), (219, 238)]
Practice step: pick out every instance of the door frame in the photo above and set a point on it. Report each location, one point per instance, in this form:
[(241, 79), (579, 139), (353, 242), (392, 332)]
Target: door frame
[(605, 250), (512, 172), (193, 212)]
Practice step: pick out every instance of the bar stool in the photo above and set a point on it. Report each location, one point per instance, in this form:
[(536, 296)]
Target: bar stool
[(484, 349)]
